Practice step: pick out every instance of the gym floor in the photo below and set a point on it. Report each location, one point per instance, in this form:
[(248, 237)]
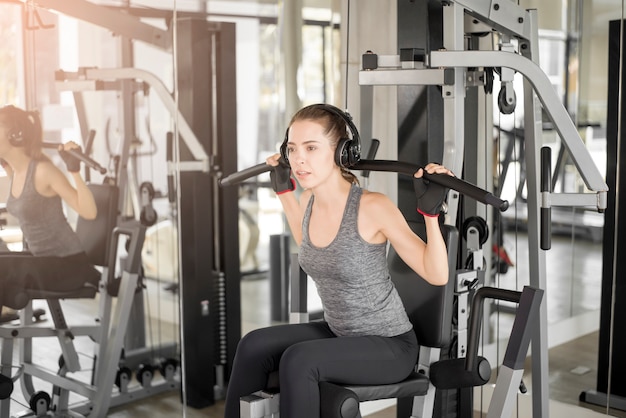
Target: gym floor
[(572, 365)]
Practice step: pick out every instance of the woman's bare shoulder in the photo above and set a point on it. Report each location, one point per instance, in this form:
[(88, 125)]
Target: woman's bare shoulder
[(375, 200)]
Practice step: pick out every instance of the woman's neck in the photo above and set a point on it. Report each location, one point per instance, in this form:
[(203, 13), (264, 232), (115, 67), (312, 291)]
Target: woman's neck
[(18, 161), (336, 190)]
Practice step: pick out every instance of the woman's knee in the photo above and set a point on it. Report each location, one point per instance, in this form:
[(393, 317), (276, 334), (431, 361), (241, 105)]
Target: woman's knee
[(255, 349), (298, 360), (252, 343)]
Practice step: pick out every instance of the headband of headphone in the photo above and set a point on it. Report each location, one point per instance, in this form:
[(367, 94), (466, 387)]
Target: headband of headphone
[(348, 151)]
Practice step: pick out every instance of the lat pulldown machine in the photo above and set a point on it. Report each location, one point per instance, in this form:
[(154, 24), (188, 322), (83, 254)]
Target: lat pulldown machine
[(457, 71)]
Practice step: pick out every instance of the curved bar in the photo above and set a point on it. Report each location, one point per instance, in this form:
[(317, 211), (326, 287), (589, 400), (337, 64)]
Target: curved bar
[(545, 92), (454, 183), (192, 142), (89, 162), (401, 167), (476, 318)]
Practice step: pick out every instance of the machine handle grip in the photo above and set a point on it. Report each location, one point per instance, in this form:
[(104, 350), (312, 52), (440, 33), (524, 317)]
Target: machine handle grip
[(245, 174), (545, 213)]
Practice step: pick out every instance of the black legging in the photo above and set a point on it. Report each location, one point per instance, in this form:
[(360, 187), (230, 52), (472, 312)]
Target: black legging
[(306, 354), (25, 271)]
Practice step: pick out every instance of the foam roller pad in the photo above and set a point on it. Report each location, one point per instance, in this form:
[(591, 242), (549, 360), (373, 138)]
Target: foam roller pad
[(451, 374), (6, 387), (338, 402)]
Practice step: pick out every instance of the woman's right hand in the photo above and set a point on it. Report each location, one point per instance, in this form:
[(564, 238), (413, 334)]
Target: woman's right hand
[(273, 160), (280, 175)]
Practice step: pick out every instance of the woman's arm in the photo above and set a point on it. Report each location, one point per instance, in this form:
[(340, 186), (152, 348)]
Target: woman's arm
[(79, 198), (291, 207), (85, 204), (293, 213), (428, 259)]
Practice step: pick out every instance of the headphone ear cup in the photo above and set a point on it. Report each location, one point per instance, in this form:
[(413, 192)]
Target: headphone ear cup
[(342, 152), (354, 153), (16, 138)]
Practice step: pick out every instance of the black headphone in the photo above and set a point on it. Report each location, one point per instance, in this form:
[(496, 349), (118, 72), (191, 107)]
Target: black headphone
[(348, 151), (16, 138)]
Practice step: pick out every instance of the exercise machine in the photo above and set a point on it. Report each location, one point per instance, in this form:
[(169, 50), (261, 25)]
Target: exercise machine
[(102, 239), (454, 68)]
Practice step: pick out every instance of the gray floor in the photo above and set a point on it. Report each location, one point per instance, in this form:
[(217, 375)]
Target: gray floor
[(574, 275)]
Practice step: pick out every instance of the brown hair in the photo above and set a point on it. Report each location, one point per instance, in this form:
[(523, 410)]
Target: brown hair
[(26, 127), (335, 128)]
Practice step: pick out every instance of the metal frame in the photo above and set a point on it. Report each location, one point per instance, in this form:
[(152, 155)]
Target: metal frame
[(119, 23), (512, 21), (108, 336), (101, 79)]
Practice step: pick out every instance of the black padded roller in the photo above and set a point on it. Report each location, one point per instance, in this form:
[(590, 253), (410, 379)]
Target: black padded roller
[(339, 402), (452, 374), (6, 386)]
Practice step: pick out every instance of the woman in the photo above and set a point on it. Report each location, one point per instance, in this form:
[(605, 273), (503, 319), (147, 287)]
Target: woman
[(342, 232), (55, 260)]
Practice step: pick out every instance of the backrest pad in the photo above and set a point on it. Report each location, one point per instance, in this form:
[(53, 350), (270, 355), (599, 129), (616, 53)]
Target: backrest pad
[(95, 235), (429, 307)]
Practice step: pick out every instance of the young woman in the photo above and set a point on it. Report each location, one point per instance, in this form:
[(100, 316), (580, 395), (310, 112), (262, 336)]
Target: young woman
[(55, 259), (342, 232)]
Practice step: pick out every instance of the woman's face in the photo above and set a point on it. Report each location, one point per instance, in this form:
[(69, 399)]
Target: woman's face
[(311, 153)]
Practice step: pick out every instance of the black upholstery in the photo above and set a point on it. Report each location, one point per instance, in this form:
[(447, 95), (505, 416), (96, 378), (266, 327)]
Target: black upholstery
[(95, 236), (453, 374), (338, 401), (429, 307), (430, 310), (416, 384)]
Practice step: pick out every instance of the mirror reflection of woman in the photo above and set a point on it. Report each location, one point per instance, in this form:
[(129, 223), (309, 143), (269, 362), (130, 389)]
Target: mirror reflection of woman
[(54, 258)]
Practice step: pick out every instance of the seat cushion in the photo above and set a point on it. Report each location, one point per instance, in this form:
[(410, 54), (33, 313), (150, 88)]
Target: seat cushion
[(18, 297), (414, 385)]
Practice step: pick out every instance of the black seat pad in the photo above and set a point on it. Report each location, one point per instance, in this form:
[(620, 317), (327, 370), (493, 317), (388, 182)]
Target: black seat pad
[(414, 385)]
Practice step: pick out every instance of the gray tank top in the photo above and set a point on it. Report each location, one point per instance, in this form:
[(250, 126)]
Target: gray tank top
[(352, 279), (43, 223)]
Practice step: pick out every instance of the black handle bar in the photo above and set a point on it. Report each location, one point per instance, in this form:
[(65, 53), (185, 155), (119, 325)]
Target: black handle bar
[(77, 154), (401, 167), (245, 174), (454, 183)]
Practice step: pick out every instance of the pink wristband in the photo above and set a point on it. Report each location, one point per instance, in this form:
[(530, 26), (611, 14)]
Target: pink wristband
[(293, 185), (428, 215)]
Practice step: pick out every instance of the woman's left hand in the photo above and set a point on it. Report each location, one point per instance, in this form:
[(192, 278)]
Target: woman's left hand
[(433, 168), (72, 163), (430, 196)]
